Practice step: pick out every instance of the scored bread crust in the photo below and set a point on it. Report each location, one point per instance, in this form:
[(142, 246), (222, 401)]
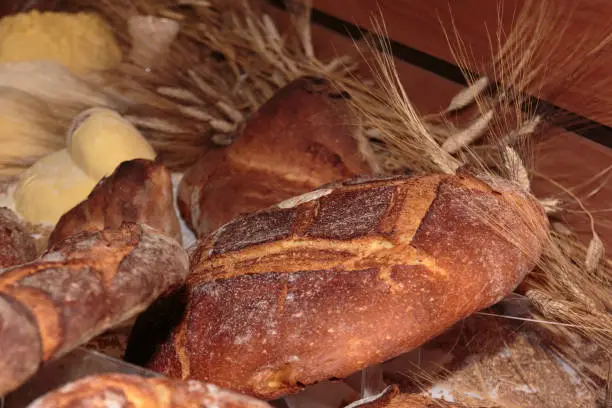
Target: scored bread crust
[(17, 245), (138, 191), (78, 289), (123, 391), (349, 275), (303, 137)]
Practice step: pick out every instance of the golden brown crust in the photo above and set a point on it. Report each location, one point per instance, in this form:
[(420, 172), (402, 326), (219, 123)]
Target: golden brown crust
[(138, 191), (17, 246), (123, 391), (350, 275), (19, 334), (84, 285), (301, 138)]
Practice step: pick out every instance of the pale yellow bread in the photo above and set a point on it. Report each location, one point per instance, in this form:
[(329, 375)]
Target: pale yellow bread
[(101, 139), (50, 187), (98, 141)]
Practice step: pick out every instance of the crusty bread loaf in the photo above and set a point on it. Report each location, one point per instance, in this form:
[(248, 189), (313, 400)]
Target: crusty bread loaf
[(123, 391), (138, 191), (303, 137), (84, 285), (346, 276), (17, 246)]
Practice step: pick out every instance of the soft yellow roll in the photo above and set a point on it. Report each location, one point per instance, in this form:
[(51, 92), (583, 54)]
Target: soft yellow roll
[(49, 188), (100, 139)]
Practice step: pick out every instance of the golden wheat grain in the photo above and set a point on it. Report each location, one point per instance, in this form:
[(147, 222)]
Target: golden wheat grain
[(468, 135), (468, 95), (594, 254)]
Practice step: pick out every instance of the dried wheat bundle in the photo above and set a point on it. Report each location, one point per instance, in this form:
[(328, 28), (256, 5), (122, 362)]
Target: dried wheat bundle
[(225, 60), (485, 362), (28, 131), (569, 293), (35, 112)]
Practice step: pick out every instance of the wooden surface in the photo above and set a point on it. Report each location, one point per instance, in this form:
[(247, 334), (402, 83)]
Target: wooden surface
[(420, 24), (567, 159)]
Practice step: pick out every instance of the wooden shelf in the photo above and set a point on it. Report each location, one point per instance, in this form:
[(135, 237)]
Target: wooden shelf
[(419, 24)]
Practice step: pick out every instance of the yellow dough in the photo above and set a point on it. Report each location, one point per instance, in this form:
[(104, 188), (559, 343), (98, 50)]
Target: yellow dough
[(49, 188), (83, 42), (101, 139)]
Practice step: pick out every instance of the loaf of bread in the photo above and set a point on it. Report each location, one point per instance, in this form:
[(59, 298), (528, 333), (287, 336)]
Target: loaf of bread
[(138, 191), (123, 391), (349, 275), (84, 285), (17, 246), (303, 137)]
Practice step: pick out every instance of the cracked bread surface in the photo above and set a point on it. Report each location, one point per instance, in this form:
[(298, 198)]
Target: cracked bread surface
[(79, 288), (296, 294), (131, 391), (138, 191), (304, 136), (17, 245)]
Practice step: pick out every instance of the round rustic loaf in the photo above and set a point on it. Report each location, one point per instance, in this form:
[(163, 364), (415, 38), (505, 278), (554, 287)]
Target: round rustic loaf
[(352, 274), (17, 246), (123, 391), (303, 137)]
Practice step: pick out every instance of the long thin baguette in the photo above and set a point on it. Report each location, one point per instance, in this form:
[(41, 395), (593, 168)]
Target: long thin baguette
[(325, 284), (79, 288), (123, 391)]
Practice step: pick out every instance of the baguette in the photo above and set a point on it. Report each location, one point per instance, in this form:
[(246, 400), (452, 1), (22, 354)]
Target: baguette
[(76, 290), (17, 246), (138, 191), (122, 391), (304, 136), (352, 274)]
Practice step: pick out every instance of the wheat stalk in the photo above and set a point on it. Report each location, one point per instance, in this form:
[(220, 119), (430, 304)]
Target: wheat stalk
[(574, 281)]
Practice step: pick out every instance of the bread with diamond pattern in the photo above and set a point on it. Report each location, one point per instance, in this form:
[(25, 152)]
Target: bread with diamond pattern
[(349, 275)]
